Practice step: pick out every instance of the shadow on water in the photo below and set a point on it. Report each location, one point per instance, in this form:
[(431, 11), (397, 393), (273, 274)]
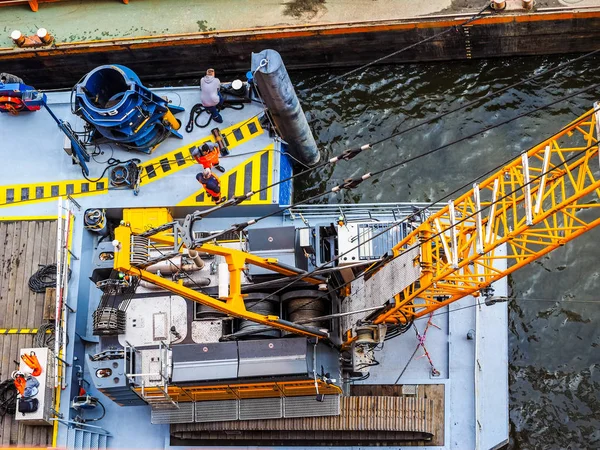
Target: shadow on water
[(554, 309)]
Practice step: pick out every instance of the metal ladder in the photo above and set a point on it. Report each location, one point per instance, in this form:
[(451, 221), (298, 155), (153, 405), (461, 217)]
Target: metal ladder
[(156, 394)]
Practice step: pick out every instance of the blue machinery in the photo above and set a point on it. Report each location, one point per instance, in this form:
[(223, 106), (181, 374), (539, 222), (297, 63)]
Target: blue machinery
[(113, 100), (115, 106)]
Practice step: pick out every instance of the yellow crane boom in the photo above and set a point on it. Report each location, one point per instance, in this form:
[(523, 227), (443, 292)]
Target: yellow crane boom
[(540, 201), (150, 229)]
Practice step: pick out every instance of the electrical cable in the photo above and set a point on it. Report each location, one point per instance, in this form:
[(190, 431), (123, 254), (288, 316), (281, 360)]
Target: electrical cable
[(111, 162), (96, 419), (100, 152), (198, 109)]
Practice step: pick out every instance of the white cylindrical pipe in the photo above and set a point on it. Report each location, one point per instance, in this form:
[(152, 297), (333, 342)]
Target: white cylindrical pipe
[(223, 273), (191, 280), (195, 256), (172, 266)]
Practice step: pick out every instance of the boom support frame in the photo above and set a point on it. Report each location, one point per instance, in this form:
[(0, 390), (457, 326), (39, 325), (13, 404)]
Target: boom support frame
[(176, 237)]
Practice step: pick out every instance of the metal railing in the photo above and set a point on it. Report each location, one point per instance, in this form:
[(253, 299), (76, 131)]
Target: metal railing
[(143, 379), (374, 211), (64, 255)]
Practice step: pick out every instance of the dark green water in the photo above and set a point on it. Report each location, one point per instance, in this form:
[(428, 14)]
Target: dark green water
[(555, 303)]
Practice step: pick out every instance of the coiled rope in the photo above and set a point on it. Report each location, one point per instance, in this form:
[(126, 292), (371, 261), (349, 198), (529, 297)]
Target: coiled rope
[(44, 278)]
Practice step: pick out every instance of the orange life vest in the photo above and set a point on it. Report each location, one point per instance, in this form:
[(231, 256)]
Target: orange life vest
[(33, 363), (20, 384), (210, 160)]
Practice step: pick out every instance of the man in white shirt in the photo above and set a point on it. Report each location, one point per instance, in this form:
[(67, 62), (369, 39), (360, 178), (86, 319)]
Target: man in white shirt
[(210, 97)]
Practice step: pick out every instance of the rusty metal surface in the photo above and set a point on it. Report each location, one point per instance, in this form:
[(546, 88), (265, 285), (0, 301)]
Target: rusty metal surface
[(312, 46)]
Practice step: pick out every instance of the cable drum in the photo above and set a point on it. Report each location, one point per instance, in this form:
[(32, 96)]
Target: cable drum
[(306, 304), (139, 250), (256, 302), (203, 312), (95, 220)]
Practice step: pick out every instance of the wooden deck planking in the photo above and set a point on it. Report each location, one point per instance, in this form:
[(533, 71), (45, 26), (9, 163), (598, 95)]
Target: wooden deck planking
[(20, 302), (35, 228), (435, 418), (23, 246), (7, 358), (17, 273)]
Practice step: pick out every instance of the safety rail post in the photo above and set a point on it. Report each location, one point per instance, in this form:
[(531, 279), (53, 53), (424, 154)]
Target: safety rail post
[(58, 295), (62, 308)]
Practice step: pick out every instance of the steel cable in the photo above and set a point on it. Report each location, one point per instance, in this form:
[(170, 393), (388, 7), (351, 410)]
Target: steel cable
[(352, 183), (416, 213)]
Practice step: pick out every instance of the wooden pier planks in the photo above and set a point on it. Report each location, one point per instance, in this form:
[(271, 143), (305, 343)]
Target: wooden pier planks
[(23, 246)]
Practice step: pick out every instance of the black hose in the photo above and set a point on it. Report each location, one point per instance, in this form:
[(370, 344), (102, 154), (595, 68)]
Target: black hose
[(195, 112), (198, 109), (96, 419), (44, 278), (8, 398)]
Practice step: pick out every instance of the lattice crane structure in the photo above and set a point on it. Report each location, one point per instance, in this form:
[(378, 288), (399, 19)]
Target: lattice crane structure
[(540, 201)]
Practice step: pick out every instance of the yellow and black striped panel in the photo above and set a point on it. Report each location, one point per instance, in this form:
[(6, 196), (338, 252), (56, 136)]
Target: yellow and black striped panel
[(20, 331), (254, 174), (180, 158), (38, 192), (152, 170)]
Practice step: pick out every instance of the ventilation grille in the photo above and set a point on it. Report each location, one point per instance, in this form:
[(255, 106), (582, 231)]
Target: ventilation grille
[(183, 414), (248, 409), (261, 408), (310, 407), (216, 411)]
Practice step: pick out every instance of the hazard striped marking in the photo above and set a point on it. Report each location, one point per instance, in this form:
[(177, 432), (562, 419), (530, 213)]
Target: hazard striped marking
[(152, 170), (21, 331), (180, 158), (254, 174), (39, 192)]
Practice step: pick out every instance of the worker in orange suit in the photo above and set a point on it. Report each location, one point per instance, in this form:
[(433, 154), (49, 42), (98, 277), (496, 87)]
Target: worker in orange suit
[(208, 156), (211, 184)]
